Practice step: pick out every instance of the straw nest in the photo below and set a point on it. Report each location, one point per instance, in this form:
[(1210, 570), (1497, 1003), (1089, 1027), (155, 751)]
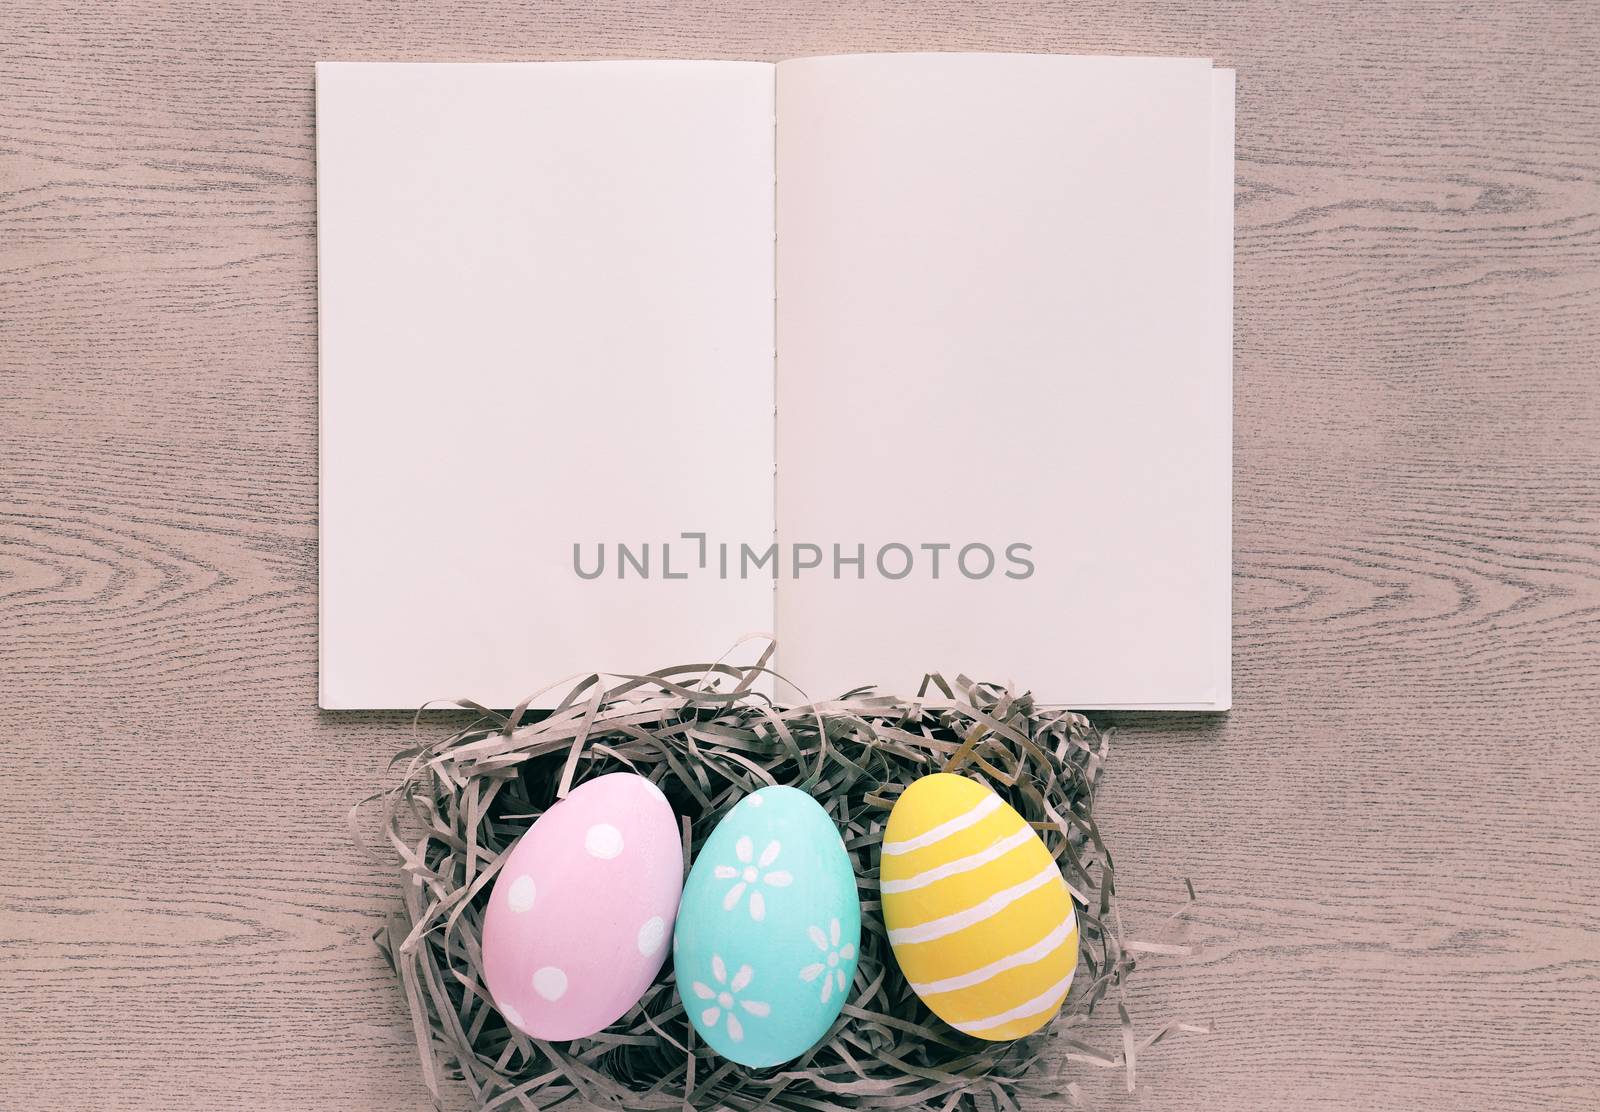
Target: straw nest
[(707, 737)]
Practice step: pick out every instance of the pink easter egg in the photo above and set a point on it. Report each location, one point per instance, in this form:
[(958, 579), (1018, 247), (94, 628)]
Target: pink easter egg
[(580, 917)]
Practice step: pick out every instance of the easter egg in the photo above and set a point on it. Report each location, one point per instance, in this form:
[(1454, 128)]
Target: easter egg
[(580, 916), (979, 917), (769, 929)]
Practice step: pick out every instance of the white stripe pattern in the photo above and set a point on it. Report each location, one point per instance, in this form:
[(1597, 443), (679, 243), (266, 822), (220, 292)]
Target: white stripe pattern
[(1027, 956), (986, 806), (1048, 1000), (960, 920), (1000, 848)]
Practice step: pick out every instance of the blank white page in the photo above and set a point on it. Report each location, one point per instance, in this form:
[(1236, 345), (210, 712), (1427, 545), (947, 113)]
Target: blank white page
[(999, 303), (546, 320)]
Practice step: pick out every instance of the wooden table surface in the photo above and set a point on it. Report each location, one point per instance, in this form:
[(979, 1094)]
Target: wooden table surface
[(1395, 832)]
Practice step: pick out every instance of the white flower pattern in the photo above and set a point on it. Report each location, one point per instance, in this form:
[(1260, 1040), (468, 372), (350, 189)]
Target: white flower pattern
[(834, 956), (724, 995), (750, 874)]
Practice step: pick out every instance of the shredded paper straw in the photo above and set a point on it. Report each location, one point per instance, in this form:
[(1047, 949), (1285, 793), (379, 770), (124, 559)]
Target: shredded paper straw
[(707, 737)]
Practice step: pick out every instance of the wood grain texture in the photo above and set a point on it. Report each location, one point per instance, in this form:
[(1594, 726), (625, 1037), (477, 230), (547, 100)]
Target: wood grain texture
[(1393, 833)]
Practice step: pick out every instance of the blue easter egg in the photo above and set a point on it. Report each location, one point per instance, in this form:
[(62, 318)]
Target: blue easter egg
[(769, 929)]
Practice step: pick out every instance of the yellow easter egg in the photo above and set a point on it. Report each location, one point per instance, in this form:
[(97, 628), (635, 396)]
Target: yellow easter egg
[(979, 916)]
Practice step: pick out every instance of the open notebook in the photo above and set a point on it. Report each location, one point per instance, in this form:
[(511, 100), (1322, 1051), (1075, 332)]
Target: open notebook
[(920, 362)]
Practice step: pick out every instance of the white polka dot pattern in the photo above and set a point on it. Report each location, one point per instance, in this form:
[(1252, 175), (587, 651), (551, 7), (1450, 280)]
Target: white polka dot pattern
[(651, 935), (603, 841), (550, 983), (581, 914), (522, 894)]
